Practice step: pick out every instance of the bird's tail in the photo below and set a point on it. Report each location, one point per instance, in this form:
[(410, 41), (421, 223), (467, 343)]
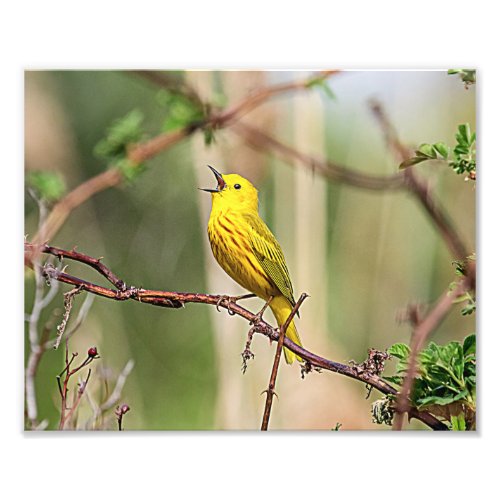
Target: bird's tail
[(282, 308)]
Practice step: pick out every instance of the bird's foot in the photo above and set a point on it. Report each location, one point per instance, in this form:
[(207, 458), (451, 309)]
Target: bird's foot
[(231, 300)]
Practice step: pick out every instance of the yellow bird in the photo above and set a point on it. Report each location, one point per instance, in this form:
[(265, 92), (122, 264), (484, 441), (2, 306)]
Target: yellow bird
[(246, 249)]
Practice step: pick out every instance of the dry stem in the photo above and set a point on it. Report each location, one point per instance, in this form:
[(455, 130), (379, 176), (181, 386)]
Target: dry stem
[(274, 373)]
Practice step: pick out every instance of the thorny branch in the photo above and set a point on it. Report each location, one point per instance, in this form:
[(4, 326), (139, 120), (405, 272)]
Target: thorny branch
[(270, 393), (179, 299), (258, 139), (423, 327)]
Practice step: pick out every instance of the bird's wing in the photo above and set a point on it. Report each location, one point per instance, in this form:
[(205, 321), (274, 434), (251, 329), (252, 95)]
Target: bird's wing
[(269, 254)]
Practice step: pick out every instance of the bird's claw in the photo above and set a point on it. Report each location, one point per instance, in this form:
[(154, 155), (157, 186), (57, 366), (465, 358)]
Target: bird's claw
[(231, 300)]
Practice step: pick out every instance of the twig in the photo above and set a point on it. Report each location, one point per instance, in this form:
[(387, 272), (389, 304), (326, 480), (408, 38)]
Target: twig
[(167, 81), (117, 391), (419, 187), (68, 305), (419, 337), (81, 389), (330, 170), (274, 373), (120, 411), (178, 299), (142, 152), (63, 389), (36, 341)]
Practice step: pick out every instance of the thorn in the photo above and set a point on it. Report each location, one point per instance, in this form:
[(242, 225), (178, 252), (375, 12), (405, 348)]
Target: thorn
[(267, 391)]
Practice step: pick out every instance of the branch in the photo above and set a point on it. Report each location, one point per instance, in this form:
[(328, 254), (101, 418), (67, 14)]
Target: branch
[(274, 373), (332, 171), (178, 299), (407, 179), (418, 186), (423, 330), (142, 152)]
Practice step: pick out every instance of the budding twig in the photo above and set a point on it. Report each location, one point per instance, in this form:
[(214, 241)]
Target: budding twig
[(66, 413)]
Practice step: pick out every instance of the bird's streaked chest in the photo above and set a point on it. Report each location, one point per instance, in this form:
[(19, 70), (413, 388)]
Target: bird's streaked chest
[(232, 249)]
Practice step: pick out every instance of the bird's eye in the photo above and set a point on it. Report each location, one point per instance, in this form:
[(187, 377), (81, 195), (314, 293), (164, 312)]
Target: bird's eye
[(237, 186)]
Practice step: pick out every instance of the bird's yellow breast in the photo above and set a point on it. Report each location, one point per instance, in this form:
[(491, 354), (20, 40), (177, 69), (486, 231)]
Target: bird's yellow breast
[(231, 248)]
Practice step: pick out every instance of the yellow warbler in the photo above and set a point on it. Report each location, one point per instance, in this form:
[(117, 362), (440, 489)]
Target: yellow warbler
[(246, 249)]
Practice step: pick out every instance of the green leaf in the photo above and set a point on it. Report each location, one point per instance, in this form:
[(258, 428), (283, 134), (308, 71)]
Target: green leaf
[(435, 400), (468, 76), (464, 131), (468, 309), (129, 170), (49, 186), (394, 379), (328, 91), (323, 85), (458, 422), (123, 132), (461, 150), (181, 110), (399, 350), (442, 149), (209, 135), (470, 345), (411, 161), (426, 150)]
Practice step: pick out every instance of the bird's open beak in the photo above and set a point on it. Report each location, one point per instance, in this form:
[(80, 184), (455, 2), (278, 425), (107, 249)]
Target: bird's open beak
[(220, 182)]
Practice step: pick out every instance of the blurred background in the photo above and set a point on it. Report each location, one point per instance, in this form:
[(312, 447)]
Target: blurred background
[(362, 256)]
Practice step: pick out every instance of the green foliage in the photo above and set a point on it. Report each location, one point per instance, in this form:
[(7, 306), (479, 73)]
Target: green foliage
[(446, 381), (468, 76), (181, 110), (425, 152), (464, 153), (209, 135), (120, 135), (468, 297), (184, 111), (48, 186), (320, 82)]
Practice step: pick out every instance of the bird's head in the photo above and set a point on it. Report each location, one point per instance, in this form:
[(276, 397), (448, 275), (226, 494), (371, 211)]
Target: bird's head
[(233, 191)]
